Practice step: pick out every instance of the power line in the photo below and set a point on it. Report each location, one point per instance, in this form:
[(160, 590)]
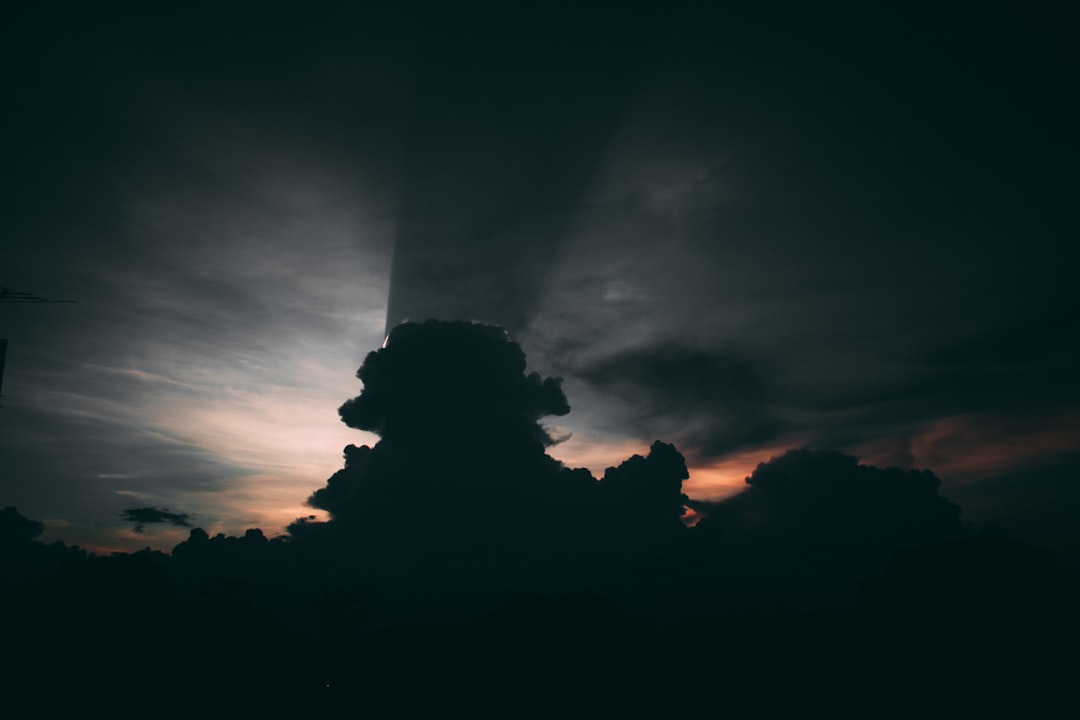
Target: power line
[(15, 296)]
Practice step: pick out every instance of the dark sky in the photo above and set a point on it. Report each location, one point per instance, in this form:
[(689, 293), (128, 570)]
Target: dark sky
[(737, 232)]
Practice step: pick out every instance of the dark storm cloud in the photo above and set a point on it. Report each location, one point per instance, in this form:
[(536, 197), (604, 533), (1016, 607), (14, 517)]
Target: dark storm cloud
[(1016, 366), (344, 489), (816, 498), (864, 223), (456, 387), (459, 489), (459, 418), (817, 369), (647, 490), (140, 517), (1012, 365), (715, 401), (1024, 369), (459, 374), (464, 483), (810, 523)]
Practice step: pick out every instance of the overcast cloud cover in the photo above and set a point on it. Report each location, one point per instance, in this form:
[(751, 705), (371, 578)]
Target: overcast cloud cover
[(737, 234)]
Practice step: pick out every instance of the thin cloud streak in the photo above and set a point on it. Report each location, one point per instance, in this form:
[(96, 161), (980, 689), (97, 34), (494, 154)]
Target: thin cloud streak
[(968, 449)]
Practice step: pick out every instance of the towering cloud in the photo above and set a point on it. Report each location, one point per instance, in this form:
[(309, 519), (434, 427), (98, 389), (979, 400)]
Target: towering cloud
[(460, 495), (460, 490), (435, 381)]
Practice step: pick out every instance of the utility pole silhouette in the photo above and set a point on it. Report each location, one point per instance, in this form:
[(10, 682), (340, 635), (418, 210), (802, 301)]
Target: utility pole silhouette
[(12, 296)]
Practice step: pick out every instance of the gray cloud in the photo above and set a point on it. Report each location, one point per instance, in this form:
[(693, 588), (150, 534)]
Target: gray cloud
[(712, 402), (140, 517)]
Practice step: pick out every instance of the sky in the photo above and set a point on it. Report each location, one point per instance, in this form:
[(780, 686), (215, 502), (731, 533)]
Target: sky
[(738, 232)]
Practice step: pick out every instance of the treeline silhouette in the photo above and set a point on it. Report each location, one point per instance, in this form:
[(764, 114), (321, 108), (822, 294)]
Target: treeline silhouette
[(462, 567)]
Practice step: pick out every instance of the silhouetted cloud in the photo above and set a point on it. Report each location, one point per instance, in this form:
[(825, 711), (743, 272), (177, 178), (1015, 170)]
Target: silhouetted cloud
[(461, 480), (143, 516), (445, 378), (460, 490), (647, 490), (813, 521), (343, 488), (826, 497)]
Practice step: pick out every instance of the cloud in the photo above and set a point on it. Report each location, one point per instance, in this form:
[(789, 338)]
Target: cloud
[(648, 490), (449, 377), (143, 516), (711, 400), (460, 491), (461, 438), (827, 501)]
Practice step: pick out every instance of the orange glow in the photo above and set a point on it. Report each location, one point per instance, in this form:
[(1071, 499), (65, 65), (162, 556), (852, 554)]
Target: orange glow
[(714, 480), (596, 453), (126, 540), (726, 476), (970, 448), (691, 517)]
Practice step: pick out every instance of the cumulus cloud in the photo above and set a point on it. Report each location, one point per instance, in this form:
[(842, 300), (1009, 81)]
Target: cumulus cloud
[(460, 486), (648, 489), (827, 501), (462, 448), (445, 377)]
